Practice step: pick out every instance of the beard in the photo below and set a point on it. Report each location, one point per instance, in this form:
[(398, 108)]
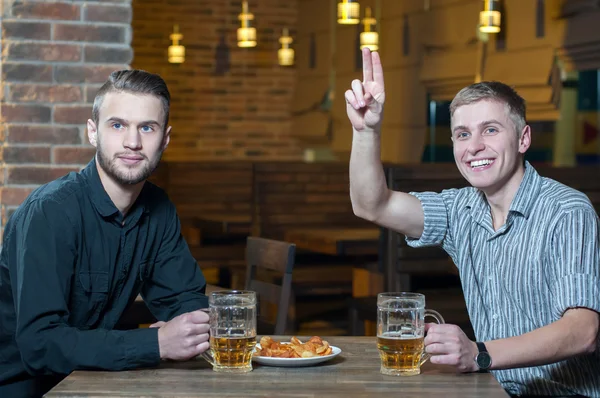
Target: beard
[(124, 174)]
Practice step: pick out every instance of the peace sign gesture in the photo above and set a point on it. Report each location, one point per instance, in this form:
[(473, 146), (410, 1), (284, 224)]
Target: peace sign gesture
[(364, 103)]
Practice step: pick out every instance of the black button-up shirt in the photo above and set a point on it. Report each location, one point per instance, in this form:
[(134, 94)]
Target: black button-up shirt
[(71, 264)]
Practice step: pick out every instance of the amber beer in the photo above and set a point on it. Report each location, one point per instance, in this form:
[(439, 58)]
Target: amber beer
[(232, 330), (400, 355), (232, 352), (400, 330)]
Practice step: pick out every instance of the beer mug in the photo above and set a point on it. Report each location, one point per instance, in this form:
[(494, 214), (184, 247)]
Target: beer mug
[(400, 332), (232, 331)]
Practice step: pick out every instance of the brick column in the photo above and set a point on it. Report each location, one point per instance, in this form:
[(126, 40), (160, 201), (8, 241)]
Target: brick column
[(55, 55)]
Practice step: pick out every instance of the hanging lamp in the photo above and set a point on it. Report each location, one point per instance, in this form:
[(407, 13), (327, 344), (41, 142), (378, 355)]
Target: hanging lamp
[(348, 12), (490, 17), (176, 52), (369, 38), (285, 54), (246, 35)]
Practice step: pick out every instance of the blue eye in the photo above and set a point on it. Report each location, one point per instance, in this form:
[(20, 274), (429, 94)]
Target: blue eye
[(492, 130), (147, 129), (117, 126), (462, 135)]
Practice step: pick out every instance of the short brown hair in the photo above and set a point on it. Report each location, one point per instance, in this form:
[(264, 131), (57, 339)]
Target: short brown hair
[(134, 81), (493, 91)]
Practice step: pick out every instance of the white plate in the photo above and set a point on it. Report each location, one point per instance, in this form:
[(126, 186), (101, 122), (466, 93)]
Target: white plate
[(293, 362)]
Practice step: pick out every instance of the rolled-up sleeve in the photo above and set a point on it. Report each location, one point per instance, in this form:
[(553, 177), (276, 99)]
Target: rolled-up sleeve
[(436, 211), (176, 284), (576, 259)]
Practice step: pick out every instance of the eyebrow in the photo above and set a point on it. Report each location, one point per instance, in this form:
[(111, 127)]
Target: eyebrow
[(484, 123), (123, 121)]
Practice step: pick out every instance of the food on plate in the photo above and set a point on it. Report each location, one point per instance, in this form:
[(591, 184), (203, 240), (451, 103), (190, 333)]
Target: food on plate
[(314, 347)]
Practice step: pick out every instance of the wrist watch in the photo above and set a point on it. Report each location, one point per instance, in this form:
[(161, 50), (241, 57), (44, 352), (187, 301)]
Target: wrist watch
[(483, 358)]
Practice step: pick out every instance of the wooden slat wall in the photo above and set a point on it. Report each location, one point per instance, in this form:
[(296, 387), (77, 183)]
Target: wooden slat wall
[(300, 195), (209, 188)]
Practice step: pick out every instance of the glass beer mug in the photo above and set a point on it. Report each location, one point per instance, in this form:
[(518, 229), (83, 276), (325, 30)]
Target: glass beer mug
[(232, 331), (400, 332)]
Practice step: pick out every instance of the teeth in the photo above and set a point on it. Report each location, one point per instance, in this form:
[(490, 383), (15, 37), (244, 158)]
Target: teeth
[(483, 162)]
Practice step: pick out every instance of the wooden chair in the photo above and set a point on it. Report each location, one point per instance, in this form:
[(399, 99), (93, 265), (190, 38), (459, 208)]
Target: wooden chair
[(401, 264), (269, 274)]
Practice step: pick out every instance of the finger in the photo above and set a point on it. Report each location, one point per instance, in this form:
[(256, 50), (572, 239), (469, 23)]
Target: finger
[(195, 329), (431, 338), (158, 324), (359, 93), (200, 328), (437, 349), (200, 348), (367, 65), (198, 316), (198, 339), (429, 326), (351, 99), (377, 69), (447, 359), (368, 98), (436, 338)]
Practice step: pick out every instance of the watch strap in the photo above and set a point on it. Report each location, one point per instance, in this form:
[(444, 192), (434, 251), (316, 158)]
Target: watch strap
[(482, 348)]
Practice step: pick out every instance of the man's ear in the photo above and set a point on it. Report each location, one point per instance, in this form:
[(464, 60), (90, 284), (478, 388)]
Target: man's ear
[(525, 139), (92, 132), (166, 138)]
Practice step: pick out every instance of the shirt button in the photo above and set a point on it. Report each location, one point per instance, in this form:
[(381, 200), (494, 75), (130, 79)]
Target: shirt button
[(495, 316), (490, 278)]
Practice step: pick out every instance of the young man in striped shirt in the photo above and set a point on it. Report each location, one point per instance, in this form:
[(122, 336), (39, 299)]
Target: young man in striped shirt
[(526, 246)]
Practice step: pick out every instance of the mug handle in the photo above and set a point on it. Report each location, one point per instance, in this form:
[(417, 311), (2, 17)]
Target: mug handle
[(207, 356), (439, 319)]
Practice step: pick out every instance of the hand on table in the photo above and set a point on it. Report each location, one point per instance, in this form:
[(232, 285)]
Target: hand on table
[(449, 345), (184, 336), (364, 102)]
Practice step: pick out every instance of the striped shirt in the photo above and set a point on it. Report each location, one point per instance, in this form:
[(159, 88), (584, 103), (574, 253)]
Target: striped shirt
[(525, 275)]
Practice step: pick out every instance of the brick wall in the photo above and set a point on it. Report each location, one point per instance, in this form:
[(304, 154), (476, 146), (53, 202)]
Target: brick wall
[(243, 113), (55, 55)]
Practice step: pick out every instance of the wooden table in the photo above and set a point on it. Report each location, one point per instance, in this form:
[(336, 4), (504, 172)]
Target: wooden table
[(354, 373), (336, 241)]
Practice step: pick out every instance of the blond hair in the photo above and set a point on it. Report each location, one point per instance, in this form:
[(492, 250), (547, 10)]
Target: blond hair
[(493, 91)]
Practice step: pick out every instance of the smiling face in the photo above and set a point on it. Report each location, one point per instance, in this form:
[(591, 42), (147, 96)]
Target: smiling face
[(487, 149), (130, 137)]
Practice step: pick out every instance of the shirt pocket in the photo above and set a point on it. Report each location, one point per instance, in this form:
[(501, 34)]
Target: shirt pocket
[(90, 298), (94, 282)]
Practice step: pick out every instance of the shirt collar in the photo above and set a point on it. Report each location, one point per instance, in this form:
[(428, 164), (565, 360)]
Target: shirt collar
[(530, 186), (102, 202), (522, 203)]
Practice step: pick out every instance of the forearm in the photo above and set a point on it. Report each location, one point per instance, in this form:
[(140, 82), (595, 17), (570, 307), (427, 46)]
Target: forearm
[(368, 188), (574, 334), (62, 349)]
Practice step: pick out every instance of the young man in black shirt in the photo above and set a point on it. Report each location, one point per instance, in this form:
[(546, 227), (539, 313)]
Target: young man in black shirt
[(79, 250)]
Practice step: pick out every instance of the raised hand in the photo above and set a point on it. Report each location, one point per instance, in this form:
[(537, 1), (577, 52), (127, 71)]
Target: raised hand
[(364, 102), (184, 336)]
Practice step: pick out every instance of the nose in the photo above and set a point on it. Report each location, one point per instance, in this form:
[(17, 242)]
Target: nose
[(476, 144), (132, 139)]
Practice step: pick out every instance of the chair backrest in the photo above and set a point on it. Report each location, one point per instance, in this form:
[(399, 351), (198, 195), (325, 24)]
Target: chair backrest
[(269, 274), (400, 260)]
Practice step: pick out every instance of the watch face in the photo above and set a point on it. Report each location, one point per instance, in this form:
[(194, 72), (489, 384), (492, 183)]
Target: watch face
[(484, 361)]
